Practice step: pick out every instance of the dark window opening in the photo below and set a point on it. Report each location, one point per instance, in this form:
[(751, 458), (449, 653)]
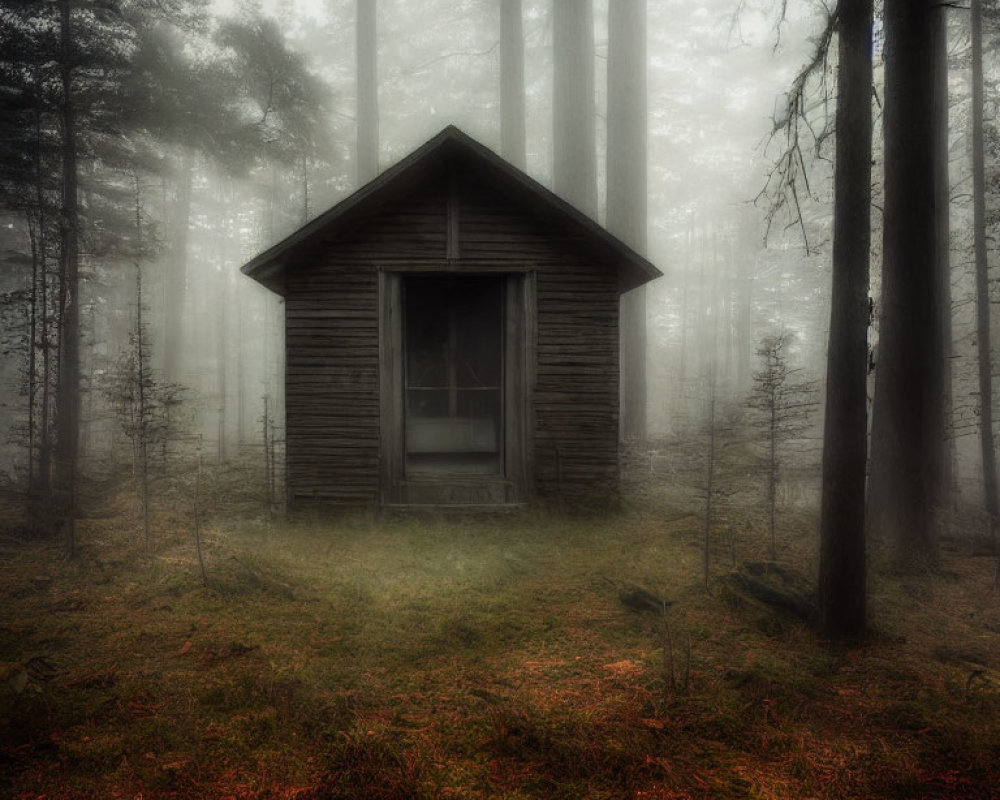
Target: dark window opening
[(453, 378)]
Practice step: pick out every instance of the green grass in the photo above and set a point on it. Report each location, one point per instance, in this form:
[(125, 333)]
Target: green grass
[(476, 659)]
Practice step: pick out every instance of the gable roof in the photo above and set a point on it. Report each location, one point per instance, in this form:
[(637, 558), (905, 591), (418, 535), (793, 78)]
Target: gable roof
[(451, 143)]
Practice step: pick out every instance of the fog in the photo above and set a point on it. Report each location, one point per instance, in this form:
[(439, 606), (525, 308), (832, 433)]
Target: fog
[(222, 129), (406, 399), (715, 79)]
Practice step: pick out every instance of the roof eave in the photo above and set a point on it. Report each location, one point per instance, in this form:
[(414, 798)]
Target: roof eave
[(268, 267)]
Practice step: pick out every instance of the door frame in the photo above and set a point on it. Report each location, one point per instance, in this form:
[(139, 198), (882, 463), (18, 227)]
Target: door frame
[(515, 483)]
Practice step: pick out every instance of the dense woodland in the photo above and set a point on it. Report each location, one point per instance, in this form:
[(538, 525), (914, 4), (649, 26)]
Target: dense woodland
[(818, 182), (150, 149)]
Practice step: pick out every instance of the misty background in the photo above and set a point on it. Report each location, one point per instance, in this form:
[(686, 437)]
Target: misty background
[(214, 131)]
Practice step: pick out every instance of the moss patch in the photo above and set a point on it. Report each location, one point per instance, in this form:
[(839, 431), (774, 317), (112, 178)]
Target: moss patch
[(475, 659)]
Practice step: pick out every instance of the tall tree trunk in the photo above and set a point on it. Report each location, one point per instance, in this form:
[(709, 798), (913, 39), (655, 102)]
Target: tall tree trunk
[(702, 335), (942, 251), (907, 424), (45, 407), (141, 375), (573, 110), (842, 570), (744, 324), (222, 363), (33, 325), (683, 313), (709, 481), (366, 44), (711, 389), (175, 285), (772, 471), (68, 391), (728, 311), (512, 145), (987, 448), (142, 401), (626, 192), (39, 475), (242, 360)]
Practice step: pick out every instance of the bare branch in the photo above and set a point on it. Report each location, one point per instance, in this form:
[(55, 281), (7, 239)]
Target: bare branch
[(458, 54), (789, 172)]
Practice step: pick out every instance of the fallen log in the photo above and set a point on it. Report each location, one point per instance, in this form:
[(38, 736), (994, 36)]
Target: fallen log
[(771, 586)]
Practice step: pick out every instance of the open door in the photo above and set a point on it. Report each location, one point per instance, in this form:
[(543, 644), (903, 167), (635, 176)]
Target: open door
[(453, 375), (453, 389)]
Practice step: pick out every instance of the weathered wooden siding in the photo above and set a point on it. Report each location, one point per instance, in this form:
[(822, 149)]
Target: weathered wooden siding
[(332, 361), (574, 401), (332, 334)]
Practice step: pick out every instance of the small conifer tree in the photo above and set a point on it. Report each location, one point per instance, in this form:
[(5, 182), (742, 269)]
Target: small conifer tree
[(784, 412)]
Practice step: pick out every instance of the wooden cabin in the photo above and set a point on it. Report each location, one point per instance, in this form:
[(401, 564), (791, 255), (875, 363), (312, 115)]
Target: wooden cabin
[(451, 335)]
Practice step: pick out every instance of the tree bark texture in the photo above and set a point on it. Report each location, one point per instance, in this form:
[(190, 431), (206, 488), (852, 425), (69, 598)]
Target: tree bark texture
[(573, 108), (512, 137), (142, 397), (37, 266), (908, 426), (68, 390), (366, 44), (39, 473), (627, 190), (942, 248), (987, 448), (842, 571)]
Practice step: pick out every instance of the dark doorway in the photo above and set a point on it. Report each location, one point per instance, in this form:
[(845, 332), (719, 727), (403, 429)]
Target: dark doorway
[(453, 374)]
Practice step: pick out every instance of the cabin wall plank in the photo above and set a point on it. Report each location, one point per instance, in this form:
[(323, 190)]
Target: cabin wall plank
[(333, 349), (335, 342), (574, 401)]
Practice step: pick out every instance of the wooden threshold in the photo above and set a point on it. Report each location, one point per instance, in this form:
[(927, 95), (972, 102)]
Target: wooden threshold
[(452, 508)]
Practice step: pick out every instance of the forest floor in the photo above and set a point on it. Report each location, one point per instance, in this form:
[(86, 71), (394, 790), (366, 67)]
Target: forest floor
[(476, 659)]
